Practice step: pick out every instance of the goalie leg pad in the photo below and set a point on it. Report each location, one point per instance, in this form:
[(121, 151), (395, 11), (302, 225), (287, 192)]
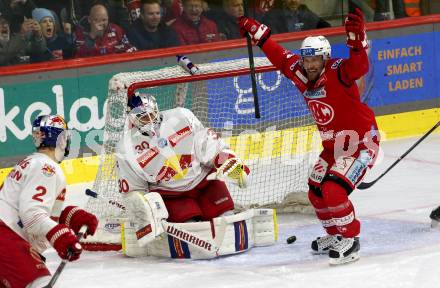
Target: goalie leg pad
[(265, 227), (232, 234), (146, 212), (129, 241)]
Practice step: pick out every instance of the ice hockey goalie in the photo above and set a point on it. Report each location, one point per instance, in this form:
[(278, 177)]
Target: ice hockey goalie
[(172, 173)]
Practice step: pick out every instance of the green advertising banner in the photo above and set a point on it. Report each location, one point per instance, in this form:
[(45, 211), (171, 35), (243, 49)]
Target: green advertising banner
[(80, 100)]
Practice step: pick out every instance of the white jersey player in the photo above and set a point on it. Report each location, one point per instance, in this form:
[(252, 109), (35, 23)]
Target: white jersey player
[(31, 215), (172, 153)]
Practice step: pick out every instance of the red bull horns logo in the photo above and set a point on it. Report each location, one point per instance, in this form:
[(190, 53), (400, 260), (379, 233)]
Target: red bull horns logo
[(58, 122)]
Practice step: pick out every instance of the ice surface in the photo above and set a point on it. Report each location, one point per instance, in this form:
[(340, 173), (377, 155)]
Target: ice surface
[(398, 247)]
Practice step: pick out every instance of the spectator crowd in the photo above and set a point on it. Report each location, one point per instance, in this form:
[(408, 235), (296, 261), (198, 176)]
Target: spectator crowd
[(43, 30)]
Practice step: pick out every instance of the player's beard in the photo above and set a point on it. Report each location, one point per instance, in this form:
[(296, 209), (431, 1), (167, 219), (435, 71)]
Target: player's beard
[(313, 76)]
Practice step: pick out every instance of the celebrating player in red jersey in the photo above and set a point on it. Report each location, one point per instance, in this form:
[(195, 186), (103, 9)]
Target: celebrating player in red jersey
[(347, 126)]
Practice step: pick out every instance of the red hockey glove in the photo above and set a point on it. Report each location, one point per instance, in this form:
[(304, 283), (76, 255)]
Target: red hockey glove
[(75, 217), (258, 32), (63, 239), (355, 29)]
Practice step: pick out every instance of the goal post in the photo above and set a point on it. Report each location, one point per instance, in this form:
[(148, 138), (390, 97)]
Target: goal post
[(279, 148)]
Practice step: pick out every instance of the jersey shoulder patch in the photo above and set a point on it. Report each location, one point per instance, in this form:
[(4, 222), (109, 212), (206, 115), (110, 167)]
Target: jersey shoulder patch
[(47, 167), (48, 170), (336, 63)]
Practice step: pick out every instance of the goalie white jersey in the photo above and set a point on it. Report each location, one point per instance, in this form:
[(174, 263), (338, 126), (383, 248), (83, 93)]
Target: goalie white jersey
[(32, 193), (178, 157)]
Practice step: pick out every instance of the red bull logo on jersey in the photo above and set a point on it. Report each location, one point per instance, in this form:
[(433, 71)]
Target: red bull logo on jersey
[(175, 168), (48, 170), (179, 136)]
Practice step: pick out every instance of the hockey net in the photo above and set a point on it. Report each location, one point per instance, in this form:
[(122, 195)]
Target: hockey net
[(279, 148)]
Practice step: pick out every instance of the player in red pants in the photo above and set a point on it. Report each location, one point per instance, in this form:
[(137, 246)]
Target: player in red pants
[(347, 126), (31, 219)]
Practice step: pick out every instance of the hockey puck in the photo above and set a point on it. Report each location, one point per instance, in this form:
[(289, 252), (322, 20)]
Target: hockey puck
[(291, 239)]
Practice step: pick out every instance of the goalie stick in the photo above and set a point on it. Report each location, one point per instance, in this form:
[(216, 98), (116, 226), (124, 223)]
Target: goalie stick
[(176, 230), (63, 263), (366, 185)]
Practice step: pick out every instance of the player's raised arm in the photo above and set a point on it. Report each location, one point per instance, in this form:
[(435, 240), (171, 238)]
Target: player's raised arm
[(357, 64), (285, 60)]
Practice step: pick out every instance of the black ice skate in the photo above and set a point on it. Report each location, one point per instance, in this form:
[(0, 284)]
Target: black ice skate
[(323, 244), (435, 217), (344, 251)]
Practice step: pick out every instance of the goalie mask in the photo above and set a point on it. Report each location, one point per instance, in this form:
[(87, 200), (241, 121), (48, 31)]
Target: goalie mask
[(52, 131), (144, 113)]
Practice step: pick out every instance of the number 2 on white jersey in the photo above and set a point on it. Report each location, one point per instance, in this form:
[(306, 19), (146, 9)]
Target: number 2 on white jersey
[(37, 196)]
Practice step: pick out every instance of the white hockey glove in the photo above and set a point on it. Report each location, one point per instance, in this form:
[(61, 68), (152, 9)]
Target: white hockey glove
[(146, 212), (233, 169)]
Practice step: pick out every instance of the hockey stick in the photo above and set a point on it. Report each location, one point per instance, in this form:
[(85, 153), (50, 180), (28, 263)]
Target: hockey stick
[(252, 66), (366, 185), (176, 231), (63, 263)]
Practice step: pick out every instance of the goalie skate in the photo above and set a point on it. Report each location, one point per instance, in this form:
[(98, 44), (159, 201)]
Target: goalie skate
[(322, 245), (345, 250), (435, 217)]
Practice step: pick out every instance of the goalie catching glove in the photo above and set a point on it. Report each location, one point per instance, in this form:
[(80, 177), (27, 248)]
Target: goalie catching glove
[(232, 168)]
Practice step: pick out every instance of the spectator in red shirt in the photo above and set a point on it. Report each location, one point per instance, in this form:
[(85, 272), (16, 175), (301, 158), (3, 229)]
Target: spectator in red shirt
[(194, 28), (100, 37)]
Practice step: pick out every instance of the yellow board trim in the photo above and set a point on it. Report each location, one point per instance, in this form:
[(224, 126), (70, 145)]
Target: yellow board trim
[(275, 225), (274, 143), (123, 243)]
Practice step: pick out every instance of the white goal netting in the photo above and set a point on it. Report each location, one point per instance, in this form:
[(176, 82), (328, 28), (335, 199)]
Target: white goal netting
[(279, 147)]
